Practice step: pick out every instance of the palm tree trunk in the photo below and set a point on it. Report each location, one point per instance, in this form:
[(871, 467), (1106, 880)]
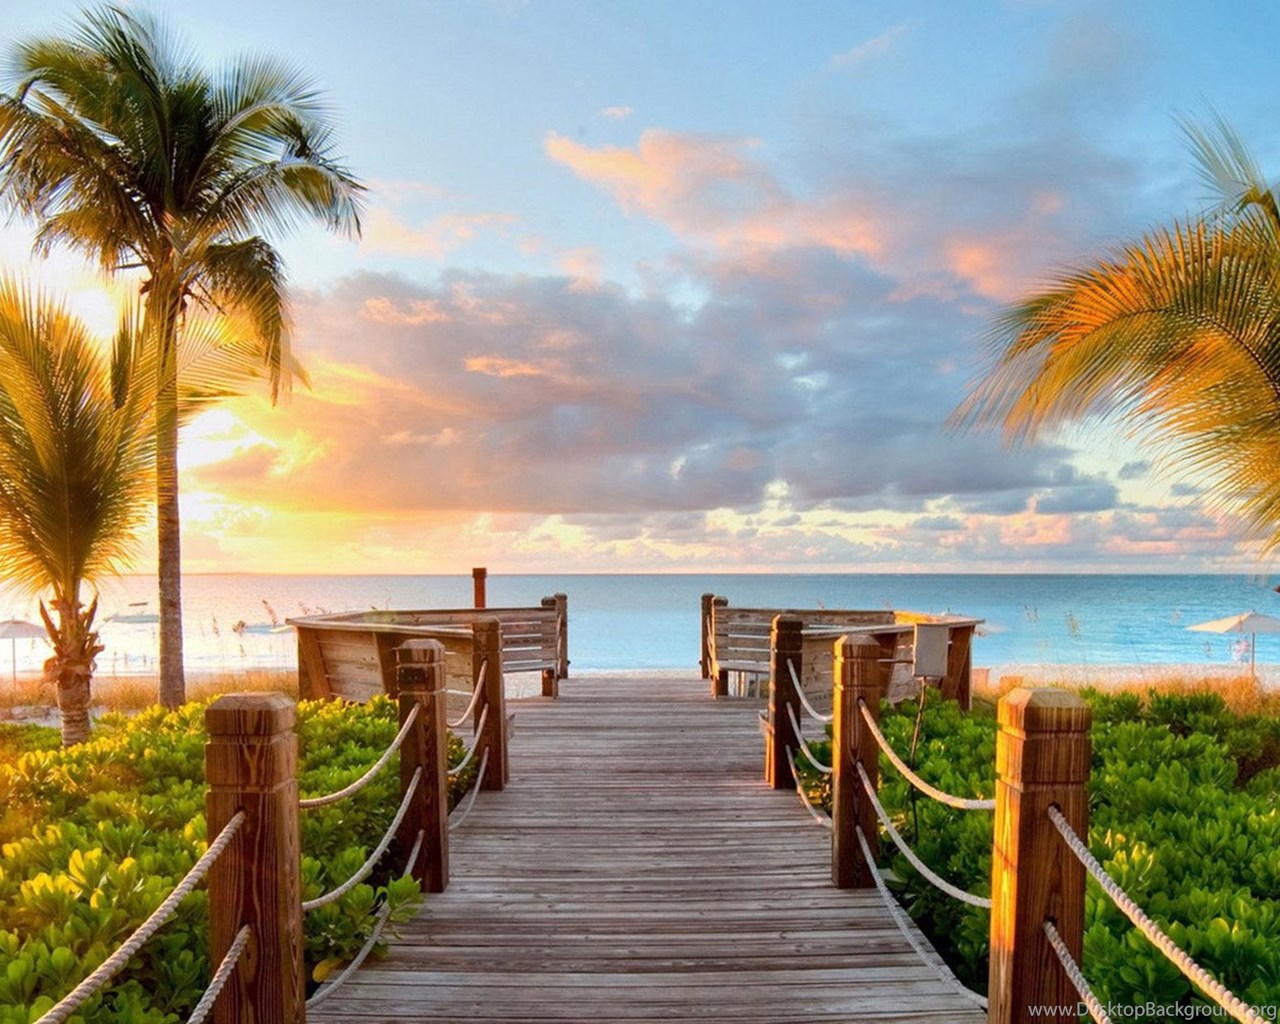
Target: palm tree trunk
[(169, 553), (162, 312), (75, 647), (73, 703)]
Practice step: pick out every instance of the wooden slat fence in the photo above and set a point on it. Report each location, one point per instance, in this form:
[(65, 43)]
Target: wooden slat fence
[(736, 641), (352, 654)]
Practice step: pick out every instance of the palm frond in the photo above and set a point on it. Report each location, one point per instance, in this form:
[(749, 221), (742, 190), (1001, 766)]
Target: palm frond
[(1178, 336), (248, 278), (1228, 169), (76, 449)]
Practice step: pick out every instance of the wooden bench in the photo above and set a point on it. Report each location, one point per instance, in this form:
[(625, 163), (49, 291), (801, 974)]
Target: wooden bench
[(352, 654), (736, 641)]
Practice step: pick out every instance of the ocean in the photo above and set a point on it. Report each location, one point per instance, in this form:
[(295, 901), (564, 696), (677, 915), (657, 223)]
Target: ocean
[(651, 621)]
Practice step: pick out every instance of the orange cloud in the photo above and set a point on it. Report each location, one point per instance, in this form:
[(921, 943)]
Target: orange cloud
[(712, 188), (382, 310), (497, 366), (584, 264), (434, 238)]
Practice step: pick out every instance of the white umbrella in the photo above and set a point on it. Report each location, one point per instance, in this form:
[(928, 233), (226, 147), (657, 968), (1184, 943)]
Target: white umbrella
[(1252, 623), (14, 630)]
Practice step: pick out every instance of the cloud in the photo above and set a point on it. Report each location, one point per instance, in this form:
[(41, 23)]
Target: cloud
[(877, 46), (385, 231), (998, 210), (800, 385), (618, 113), (1133, 470), (695, 181), (1078, 496)]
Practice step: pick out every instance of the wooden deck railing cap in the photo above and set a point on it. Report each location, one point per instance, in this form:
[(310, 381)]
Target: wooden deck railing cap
[(1043, 738), (1042, 709), (251, 714)]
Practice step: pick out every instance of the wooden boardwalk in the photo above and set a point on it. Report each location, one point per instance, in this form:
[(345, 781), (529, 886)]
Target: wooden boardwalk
[(636, 869)]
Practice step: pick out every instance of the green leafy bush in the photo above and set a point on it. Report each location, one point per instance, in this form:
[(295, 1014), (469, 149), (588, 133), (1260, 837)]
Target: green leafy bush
[(94, 837), (1184, 816)]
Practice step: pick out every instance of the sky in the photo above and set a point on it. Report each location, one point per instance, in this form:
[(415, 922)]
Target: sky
[(650, 287)]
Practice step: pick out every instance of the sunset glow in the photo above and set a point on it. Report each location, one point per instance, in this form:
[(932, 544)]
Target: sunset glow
[(668, 287)]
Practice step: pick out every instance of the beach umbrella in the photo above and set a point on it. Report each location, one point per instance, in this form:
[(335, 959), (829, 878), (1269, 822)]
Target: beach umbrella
[(14, 630), (1252, 623)]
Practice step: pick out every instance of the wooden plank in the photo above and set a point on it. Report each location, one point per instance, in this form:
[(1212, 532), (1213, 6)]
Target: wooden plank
[(634, 869)]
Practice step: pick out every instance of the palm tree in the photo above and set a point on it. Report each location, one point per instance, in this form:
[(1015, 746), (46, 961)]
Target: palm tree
[(76, 458), (127, 151), (1177, 333)]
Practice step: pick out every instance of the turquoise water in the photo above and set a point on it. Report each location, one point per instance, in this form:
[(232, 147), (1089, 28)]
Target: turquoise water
[(651, 621)]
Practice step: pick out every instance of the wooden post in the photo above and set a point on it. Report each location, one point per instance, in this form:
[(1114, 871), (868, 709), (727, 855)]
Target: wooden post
[(313, 683), (720, 680), (704, 654), (1042, 759), (858, 674), (551, 676), (562, 636), (786, 647), (488, 647), (957, 685), (420, 682), (478, 575), (251, 764)]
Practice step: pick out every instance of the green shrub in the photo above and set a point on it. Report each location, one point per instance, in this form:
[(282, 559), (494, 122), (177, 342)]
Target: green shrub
[(1184, 816), (94, 837)]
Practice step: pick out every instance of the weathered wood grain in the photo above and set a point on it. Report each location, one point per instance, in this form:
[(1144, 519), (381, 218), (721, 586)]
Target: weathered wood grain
[(636, 869), (1042, 760), (251, 764)]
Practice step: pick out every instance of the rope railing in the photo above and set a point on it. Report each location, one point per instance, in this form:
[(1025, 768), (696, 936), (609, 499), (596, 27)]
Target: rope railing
[(460, 813), (926, 952), (112, 966), (475, 744), (384, 915), (822, 819), (221, 976), (1078, 981), (364, 780), (931, 876), (367, 867), (825, 769), (804, 701), (965, 804), (476, 695), (1208, 984)]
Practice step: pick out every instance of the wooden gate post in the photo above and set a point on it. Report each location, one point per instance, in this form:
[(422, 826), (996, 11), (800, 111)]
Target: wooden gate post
[(420, 680), (719, 676), (786, 645), (704, 651), (488, 648), (858, 675), (958, 684), (478, 576), (551, 676), (251, 764), (562, 636), (1042, 759)]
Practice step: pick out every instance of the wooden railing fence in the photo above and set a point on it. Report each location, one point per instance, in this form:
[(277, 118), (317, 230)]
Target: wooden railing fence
[(737, 642), (1040, 856), (352, 654), (253, 808)]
